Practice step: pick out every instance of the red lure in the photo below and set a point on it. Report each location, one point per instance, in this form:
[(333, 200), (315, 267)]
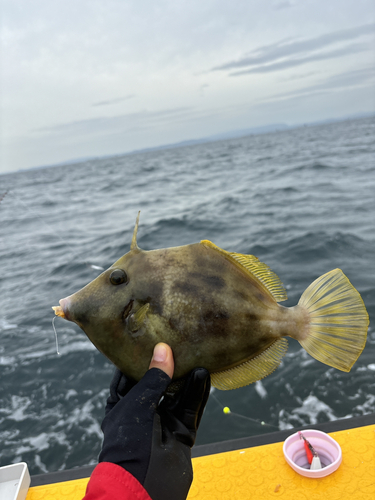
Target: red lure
[(310, 452)]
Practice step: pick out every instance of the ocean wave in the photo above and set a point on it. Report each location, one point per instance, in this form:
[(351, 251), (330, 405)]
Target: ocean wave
[(311, 412), (320, 245), (6, 325), (282, 197)]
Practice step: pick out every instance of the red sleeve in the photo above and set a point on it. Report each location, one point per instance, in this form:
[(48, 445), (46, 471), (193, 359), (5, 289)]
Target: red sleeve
[(112, 482)]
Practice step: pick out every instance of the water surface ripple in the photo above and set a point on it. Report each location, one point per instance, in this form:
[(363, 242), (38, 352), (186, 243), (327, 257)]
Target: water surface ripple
[(301, 200)]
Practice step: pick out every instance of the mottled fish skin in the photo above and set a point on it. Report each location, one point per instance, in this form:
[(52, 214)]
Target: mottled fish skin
[(210, 311), (217, 310)]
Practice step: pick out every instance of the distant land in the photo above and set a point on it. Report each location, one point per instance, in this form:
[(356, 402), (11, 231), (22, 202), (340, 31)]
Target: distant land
[(275, 127)]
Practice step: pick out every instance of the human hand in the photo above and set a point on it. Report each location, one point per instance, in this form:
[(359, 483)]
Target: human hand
[(152, 439)]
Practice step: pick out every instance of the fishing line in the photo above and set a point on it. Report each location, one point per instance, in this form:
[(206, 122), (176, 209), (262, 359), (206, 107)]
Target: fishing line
[(227, 411), (93, 266), (54, 329), (52, 230)]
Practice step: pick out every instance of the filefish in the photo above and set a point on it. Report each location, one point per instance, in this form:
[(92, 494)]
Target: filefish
[(216, 309)]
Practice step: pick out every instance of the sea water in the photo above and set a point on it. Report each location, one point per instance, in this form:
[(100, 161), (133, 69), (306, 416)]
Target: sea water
[(301, 200)]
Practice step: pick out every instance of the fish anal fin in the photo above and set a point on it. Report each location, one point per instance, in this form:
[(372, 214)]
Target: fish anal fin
[(251, 371), (257, 269), (136, 320)]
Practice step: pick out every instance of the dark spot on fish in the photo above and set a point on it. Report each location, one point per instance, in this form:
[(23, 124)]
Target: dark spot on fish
[(241, 295), (214, 282), (204, 276), (251, 317), (214, 316), (185, 287), (152, 295), (127, 309), (216, 323), (261, 296)]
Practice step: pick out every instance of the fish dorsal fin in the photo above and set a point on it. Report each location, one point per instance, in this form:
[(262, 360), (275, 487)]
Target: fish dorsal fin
[(252, 370), (264, 274), (261, 271)]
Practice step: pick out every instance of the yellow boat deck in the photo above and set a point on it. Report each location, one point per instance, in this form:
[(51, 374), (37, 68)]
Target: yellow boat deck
[(261, 472)]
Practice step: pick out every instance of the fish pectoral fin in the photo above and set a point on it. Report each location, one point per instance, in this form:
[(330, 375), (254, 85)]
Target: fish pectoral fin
[(136, 320), (252, 370)]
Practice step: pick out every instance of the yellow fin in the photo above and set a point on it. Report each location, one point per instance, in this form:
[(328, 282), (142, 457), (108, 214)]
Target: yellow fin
[(338, 321), (264, 274), (261, 271), (252, 370), (136, 320)]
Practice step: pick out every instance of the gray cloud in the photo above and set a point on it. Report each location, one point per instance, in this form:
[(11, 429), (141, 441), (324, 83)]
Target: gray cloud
[(359, 78), (289, 48), (113, 101), (121, 124), (290, 63), (283, 5)]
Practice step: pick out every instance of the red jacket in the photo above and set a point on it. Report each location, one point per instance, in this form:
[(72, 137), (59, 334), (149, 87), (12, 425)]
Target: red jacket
[(112, 482)]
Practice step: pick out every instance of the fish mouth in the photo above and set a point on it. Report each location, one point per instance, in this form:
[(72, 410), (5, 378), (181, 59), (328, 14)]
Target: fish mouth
[(62, 310), (127, 310)]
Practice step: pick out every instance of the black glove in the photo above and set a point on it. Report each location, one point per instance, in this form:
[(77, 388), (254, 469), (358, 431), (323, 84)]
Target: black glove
[(153, 440)]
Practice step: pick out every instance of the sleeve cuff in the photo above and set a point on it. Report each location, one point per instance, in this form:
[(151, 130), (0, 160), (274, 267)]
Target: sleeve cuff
[(111, 482)]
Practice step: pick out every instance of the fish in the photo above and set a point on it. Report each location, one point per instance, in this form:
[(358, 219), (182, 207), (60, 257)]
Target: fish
[(216, 309)]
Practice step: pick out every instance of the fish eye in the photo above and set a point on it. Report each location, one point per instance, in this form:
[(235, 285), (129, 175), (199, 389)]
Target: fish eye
[(118, 277)]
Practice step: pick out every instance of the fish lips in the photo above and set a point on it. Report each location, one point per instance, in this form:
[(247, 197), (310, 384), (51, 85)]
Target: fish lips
[(73, 311), (65, 304)]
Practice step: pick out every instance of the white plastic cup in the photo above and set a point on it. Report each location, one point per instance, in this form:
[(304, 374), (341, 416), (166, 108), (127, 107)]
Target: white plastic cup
[(328, 450)]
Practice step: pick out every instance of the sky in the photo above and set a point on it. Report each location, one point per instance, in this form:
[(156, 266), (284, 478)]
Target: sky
[(86, 78)]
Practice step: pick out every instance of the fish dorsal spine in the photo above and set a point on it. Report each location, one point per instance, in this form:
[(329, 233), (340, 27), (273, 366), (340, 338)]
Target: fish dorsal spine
[(134, 245), (257, 269)]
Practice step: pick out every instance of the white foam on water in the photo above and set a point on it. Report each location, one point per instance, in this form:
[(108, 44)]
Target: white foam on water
[(39, 442), (70, 393), (76, 346), (367, 407), (312, 406), (83, 416), (79, 345), (283, 421), (260, 389), (7, 360), (308, 362), (42, 442), (40, 464), (5, 325), (19, 405), (94, 428), (310, 409)]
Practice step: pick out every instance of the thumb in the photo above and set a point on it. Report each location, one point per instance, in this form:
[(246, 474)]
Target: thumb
[(163, 359)]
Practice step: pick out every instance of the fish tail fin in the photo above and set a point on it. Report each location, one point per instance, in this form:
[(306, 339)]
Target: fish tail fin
[(337, 331)]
